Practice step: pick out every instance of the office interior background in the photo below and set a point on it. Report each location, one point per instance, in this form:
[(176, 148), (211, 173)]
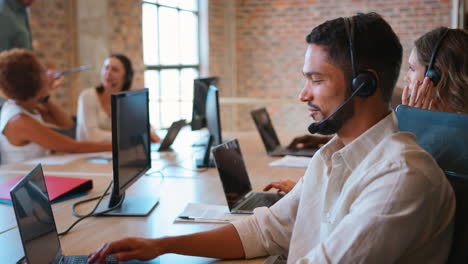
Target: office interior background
[(256, 47)]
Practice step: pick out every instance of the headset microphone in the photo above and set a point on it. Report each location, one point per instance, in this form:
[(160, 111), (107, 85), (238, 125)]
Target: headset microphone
[(363, 84), (324, 123)]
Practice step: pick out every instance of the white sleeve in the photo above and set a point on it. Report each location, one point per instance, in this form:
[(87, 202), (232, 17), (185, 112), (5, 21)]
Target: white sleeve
[(87, 128), (268, 231)]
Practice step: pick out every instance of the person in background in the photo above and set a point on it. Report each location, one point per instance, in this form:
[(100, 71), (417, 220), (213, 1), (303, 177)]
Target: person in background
[(371, 195), (450, 94), (14, 25), (94, 104), (28, 116), (15, 32)]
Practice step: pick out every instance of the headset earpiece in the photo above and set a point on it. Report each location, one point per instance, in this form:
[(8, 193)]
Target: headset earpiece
[(367, 80), (433, 75), (431, 72)]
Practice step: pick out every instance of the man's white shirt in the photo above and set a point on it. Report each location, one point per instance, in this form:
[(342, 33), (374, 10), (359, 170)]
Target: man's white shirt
[(380, 199)]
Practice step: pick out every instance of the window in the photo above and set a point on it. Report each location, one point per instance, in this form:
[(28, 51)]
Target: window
[(171, 57)]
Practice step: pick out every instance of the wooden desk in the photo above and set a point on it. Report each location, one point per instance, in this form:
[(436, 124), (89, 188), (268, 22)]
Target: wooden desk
[(183, 155), (179, 187)]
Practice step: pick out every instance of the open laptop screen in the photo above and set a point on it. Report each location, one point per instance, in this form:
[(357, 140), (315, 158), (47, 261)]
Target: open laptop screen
[(232, 171), (35, 219), (265, 128)]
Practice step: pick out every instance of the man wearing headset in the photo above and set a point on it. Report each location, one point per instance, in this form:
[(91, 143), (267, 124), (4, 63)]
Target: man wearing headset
[(371, 195)]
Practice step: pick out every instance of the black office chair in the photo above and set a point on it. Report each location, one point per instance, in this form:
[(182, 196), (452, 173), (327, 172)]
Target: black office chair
[(459, 250), (445, 137)]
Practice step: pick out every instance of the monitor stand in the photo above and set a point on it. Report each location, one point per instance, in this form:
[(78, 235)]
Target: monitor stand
[(131, 206), (206, 162)]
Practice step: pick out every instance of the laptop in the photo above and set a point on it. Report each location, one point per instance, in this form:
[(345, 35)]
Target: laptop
[(36, 223), (236, 184), (270, 139), (171, 135)]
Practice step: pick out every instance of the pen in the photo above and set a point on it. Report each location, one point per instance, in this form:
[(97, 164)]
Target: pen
[(203, 218), (77, 69)]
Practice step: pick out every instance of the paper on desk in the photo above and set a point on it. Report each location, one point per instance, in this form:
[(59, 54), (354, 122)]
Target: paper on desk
[(66, 158), (291, 161), (207, 213)]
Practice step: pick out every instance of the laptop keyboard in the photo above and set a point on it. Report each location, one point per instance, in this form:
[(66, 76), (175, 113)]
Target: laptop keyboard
[(260, 199), (84, 260)]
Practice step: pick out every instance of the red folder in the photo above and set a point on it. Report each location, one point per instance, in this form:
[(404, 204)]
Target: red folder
[(59, 188)]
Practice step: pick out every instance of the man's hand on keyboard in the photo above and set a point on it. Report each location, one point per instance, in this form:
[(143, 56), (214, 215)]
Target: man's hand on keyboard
[(128, 249)]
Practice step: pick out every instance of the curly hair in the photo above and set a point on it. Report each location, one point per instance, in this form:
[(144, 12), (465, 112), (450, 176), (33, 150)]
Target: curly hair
[(21, 74), (451, 63)]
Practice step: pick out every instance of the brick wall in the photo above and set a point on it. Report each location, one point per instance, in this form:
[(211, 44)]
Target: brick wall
[(258, 52), (270, 43), (125, 34), (53, 40)]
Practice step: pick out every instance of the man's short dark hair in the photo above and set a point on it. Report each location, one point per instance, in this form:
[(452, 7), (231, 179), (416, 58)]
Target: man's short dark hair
[(376, 47)]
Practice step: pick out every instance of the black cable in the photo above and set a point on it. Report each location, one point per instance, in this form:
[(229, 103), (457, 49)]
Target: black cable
[(91, 199), (81, 217)]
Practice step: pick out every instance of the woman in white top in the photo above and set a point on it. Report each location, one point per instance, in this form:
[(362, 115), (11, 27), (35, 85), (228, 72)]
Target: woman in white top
[(27, 117), (94, 104)]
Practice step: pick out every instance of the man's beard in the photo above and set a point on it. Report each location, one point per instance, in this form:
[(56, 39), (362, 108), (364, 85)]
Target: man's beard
[(334, 124)]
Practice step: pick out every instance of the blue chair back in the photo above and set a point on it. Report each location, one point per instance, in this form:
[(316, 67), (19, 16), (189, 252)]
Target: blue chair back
[(443, 135)]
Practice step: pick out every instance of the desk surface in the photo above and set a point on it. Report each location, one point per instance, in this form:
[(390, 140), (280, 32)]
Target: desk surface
[(175, 187)]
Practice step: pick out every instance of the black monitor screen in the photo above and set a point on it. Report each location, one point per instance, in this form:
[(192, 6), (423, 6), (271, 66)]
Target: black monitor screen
[(130, 137), (213, 120), (35, 219), (200, 88)]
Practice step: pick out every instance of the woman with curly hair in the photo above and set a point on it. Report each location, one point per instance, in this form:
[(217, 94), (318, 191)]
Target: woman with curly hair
[(27, 118)]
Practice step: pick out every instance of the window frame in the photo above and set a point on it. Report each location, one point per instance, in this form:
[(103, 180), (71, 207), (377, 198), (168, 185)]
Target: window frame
[(180, 67)]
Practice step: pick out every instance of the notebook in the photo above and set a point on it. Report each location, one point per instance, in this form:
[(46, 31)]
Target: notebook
[(171, 135), (236, 184), (36, 223), (60, 188), (270, 139)]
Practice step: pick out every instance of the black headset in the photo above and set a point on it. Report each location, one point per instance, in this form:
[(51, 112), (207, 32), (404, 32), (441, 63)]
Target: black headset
[(431, 72), (364, 81)]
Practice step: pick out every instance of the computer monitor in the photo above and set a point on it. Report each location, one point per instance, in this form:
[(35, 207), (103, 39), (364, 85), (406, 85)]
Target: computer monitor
[(200, 89), (131, 152), (213, 122)]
